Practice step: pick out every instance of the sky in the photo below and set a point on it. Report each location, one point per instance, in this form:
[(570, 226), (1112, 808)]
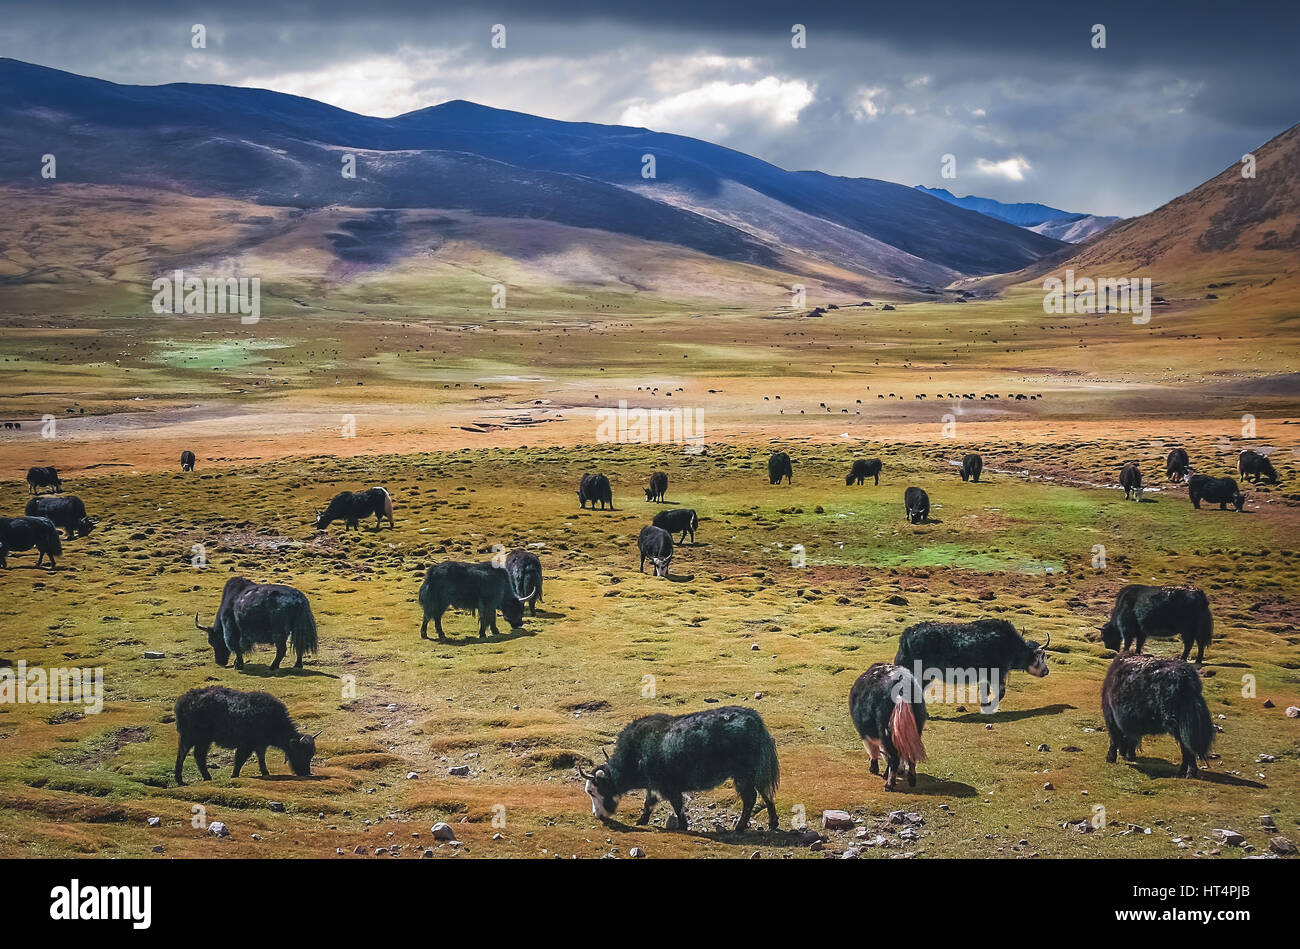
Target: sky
[(1021, 94)]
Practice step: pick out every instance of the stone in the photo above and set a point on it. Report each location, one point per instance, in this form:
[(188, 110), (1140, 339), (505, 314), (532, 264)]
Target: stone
[(155, 655), (276, 806), (459, 770), (1281, 845), (218, 829), (837, 820), (636, 853), (1229, 838), (442, 831), (1293, 711), (154, 822)]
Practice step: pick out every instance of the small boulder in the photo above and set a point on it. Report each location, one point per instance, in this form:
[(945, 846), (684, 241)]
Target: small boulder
[(837, 820)]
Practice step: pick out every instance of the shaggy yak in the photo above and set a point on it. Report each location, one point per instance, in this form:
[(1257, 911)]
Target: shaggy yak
[(778, 467), (1163, 612), (260, 613), (1143, 695), (862, 470), (248, 722), (350, 506), (658, 487), (887, 706)]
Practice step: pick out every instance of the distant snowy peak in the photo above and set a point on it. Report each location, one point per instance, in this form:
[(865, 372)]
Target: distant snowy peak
[(1069, 226)]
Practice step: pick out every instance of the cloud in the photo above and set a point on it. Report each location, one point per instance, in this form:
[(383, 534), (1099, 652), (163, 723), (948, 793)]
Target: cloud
[(868, 107), (1013, 169), (717, 107)]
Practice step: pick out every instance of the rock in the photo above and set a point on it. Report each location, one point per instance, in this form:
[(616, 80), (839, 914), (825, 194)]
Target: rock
[(1293, 711), (1071, 748), (1229, 838), (672, 823), (636, 852), (754, 648), (757, 696), (755, 855), (276, 806), (1047, 786), (837, 820), (359, 849), (988, 727), (851, 854), (218, 829), (411, 775), (459, 770), (156, 849), (1266, 821), (442, 831), (1268, 703), (1281, 845), (257, 836), (1265, 759), (1044, 748), (155, 655), (154, 822), (807, 836), (896, 600)]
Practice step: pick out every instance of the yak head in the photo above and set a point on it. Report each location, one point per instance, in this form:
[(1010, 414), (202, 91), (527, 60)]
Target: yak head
[(1110, 635), (1038, 667), (649, 494), (601, 788), (1268, 471), (322, 520), (85, 526), (1238, 500), (220, 651), (661, 565), (299, 753), (512, 608)]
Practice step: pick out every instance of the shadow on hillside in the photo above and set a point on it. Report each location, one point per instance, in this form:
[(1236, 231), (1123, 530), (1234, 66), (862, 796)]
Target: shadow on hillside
[(266, 672), (1013, 716), (519, 633), (1163, 768)]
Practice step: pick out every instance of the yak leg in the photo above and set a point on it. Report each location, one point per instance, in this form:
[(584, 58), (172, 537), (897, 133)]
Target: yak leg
[(1200, 653), (1188, 767), (679, 808), (239, 659), (437, 625), (201, 759), (988, 703), (261, 761), (182, 749), (911, 774), (424, 627), (298, 661), (891, 762), (279, 654), (241, 755), (770, 803), (1187, 647), (873, 752), (748, 795), (650, 802), (1117, 740), (643, 561)]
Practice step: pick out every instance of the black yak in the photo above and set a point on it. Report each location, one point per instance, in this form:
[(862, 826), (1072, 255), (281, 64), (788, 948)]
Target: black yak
[(525, 571), (252, 613), (658, 487), (350, 506), (916, 504), (1130, 479), (187, 461), (1178, 467), (481, 588), (681, 520), (38, 478), (669, 755), (1142, 612), (971, 467), (19, 534), (888, 710), (1221, 491), (778, 467), (1252, 466), (595, 488), (1143, 695), (67, 512), (980, 653), (655, 544), (863, 468), (248, 722)]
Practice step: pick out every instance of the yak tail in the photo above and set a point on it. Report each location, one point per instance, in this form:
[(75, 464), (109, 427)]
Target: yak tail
[(906, 736), (388, 506), (538, 578), (302, 632), (1193, 728), (767, 776)]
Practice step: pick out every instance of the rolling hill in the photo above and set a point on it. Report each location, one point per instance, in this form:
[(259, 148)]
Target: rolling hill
[(1070, 226)]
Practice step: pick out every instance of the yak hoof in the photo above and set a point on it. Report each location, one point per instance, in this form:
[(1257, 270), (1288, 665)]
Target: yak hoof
[(875, 766)]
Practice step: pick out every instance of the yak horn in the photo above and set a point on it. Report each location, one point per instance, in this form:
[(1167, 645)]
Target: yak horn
[(524, 598), (317, 735), (581, 773), (206, 629), (605, 753), (1049, 640)]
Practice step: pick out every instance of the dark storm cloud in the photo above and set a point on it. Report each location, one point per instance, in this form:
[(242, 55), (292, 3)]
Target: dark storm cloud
[(1016, 89)]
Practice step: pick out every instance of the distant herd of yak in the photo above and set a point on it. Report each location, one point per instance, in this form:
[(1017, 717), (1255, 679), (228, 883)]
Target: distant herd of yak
[(666, 755)]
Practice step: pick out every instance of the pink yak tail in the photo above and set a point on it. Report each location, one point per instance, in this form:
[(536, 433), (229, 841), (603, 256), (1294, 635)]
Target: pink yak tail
[(903, 731), (388, 506)]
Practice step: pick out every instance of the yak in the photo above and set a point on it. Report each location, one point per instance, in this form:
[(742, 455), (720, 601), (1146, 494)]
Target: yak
[(1252, 466), (656, 544), (658, 487), (187, 461), (18, 534), (248, 722), (1141, 612), (916, 504), (778, 467), (525, 572), (669, 755), (38, 478), (971, 467), (67, 512), (678, 521), (481, 588), (863, 468), (252, 613), (350, 506), (595, 488), (1221, 491), (1178, 467), (984, 652), (1143, 695), (887, 706), (1130, 479)]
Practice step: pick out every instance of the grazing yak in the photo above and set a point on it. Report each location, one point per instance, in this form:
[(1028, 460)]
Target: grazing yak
[(656, 545), (1142, 612), (252, 613), (863, 468), (658, 487), (18, 534), (350, 506), (481, 588), (595, 488), (1221, 491), (971, 467), (916, 504), (982, 652), (67, 512), (1178, 467), (778, 467), (1143, 695), (248, 722), (187, 461), (38, 478), (1252, 466), (525, 572), (669, 755), (1130, 479), (681, 520), (887, 706)]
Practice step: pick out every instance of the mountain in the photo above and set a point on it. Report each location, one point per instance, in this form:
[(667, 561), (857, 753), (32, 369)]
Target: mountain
[(1069, 226), (283, 151)]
